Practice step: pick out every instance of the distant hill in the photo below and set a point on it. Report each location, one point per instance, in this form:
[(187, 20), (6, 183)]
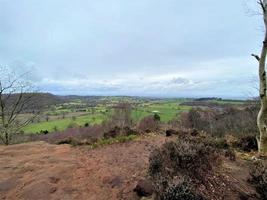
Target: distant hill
[(209, 99), (47, 99), (35, 101)]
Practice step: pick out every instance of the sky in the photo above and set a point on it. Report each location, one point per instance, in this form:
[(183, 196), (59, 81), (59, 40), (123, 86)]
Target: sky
[(160, 48)]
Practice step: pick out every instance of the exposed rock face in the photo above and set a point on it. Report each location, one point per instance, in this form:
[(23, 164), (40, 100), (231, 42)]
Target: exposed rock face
[(144, 188), (41, 171)]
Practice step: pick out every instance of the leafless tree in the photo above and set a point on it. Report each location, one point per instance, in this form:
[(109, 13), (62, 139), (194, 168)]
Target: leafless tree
[(16, 103), (121, 116)]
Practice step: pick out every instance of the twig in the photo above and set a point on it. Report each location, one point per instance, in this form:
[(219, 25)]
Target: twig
[(256, 56)]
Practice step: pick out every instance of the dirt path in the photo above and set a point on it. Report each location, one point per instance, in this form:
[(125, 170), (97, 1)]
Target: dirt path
[(43, 171), (237, 173), (113, 171)]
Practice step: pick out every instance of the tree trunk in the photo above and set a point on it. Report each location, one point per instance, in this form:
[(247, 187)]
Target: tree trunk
[(6, 138), (262, 116)]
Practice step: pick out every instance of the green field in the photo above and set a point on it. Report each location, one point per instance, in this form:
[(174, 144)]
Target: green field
[(167, 109), (60, 125), (77, 113)]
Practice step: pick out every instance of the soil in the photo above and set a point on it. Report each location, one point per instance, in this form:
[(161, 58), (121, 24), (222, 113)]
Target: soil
[(43, 171)]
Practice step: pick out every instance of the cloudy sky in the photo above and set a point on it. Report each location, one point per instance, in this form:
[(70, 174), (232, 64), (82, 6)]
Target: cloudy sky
[(165, 48)]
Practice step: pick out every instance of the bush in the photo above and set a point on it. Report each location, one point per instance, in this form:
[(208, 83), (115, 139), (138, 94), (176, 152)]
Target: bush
[(76, 141), (218, 143), (148, 124), (246, 143), (111, 133), (208, 140), (181, 161), (108, 141), (258, 178), (187, 156), (81, 134), (44, 132), (180, 191), (221, 121), (71, 140), (156, 117)]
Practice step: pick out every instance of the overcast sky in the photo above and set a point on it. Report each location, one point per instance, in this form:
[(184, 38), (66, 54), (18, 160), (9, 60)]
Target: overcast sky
[(166, 48)]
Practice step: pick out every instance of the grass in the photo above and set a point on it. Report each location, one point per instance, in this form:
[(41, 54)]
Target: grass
[(62, 124), (167, 111)]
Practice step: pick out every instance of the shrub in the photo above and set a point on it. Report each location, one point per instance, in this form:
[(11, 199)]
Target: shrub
[(108, 141), (246, 143), (77, 141), (208, 140), (188, 156), (81, 133), (156, 117), (183, 160), (71, 140), (44, 132), (113, 132), (222, 120), (194, 119), (120, 120), (148, 124), (180, 191), (117, 131), (219, 143), (258, 178), (86, 124)]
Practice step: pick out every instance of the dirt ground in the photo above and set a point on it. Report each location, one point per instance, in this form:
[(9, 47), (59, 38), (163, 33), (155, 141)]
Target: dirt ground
[(43, 171)]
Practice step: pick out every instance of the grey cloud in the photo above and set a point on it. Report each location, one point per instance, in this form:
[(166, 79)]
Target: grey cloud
[(179, 81), (97, 40)]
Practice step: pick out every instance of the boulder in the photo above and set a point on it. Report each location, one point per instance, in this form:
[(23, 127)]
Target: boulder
[(144, 188)]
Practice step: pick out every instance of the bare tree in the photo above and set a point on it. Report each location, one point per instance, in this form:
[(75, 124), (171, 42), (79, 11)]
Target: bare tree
[(120, 119), (122, 115), (262, 116), (16, 103)]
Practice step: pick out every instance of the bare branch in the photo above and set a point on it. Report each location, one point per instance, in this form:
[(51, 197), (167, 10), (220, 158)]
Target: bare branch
[(262, 5), (256, 56), (16, 98)]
